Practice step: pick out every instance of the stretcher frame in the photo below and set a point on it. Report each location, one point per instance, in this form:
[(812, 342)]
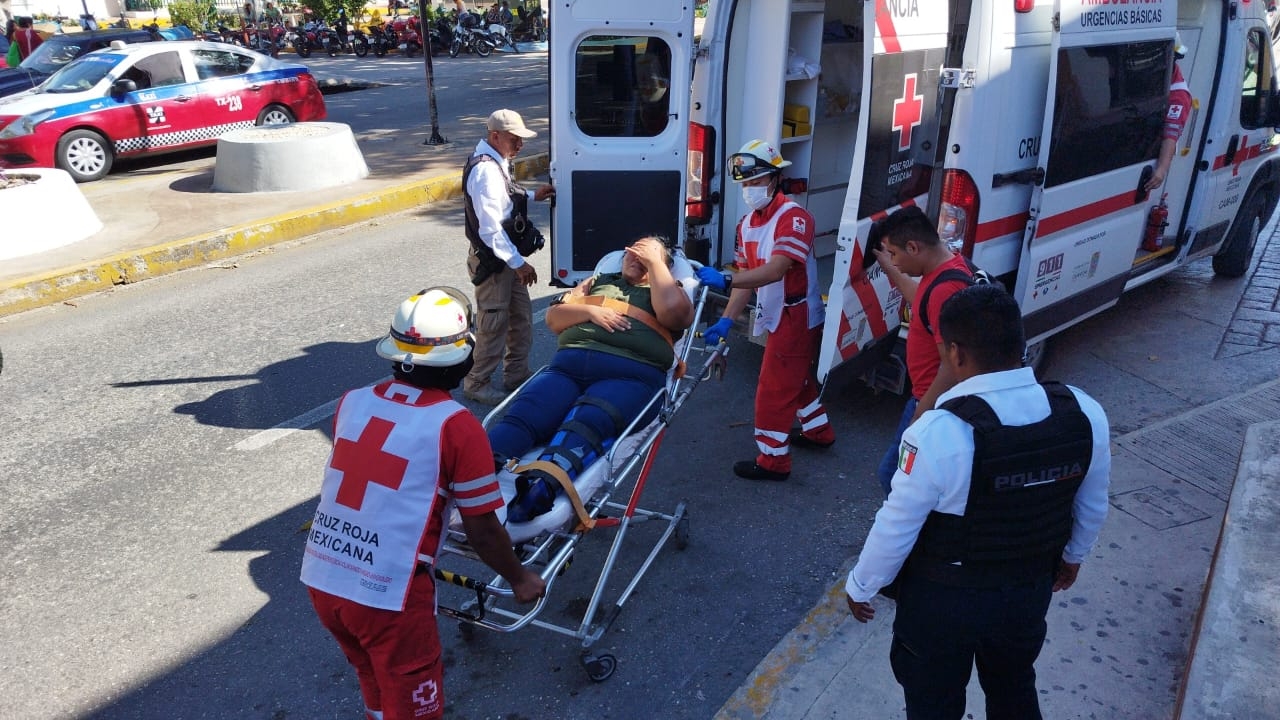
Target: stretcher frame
[(553, 550)]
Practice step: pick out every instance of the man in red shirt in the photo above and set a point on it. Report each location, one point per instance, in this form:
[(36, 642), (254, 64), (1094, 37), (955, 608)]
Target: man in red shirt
[(403, 452), (1175, 119), (775, 258), (910, 248), (26, 38)]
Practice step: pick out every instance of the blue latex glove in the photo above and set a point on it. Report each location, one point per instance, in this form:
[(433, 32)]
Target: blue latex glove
[(713, 278), (718, 333)]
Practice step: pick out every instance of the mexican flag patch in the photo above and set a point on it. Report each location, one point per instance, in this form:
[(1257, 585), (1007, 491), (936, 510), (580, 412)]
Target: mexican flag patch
[(906, 457)]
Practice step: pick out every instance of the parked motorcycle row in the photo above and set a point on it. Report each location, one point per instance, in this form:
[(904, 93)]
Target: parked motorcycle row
[(399, 33)]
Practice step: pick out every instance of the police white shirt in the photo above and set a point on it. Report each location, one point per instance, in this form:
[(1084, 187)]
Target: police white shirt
[(936, 460), (487, 188)]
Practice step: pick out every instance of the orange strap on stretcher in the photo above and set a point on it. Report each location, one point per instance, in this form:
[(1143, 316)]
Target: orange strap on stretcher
[(585, 521), (630, 311), (625, 308)]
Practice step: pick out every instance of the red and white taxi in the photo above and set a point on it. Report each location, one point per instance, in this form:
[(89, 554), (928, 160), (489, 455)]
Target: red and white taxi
[(151, 98)]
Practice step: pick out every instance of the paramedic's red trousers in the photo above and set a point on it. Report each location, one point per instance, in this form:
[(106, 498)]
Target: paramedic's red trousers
[(396, 654), (788, 390)]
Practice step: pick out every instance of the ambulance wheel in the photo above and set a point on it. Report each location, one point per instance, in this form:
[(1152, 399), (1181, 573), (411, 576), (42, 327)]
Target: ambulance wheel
[(84, 154), (1232, 261), (682, 533), (599, 667), (275, 115), (1033, 357)]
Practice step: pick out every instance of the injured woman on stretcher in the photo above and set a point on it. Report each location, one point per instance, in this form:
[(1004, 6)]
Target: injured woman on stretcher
[(615, 347)]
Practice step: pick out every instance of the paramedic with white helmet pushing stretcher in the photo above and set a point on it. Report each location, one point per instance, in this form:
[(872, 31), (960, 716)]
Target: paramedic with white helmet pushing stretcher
[(403, 453), (775, 258)]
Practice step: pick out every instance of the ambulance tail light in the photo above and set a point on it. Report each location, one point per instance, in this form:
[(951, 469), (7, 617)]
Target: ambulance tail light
[(1024, 6), (698, 200), (958, 214)]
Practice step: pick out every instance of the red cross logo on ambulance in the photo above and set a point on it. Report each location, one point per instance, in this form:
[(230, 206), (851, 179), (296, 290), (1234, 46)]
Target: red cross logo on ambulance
[(908, 111)]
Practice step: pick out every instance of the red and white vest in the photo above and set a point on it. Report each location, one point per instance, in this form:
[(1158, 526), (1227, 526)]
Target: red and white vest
[(381, 488), (757, 245)]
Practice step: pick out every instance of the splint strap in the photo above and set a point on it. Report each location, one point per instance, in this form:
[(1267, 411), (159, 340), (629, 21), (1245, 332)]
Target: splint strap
[(619, 422), (630, 311), (585, 521)]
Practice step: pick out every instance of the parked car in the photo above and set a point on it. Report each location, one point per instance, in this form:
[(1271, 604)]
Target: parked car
[(136, 100), (59, 50)]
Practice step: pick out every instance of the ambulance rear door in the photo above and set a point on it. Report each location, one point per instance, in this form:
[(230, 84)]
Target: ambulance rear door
[(1108, 94), (892, 167), (620, 76)]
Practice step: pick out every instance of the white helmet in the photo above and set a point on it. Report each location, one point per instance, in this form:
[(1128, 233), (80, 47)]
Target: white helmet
[(754, 159), (1179, 50), (431, 328)]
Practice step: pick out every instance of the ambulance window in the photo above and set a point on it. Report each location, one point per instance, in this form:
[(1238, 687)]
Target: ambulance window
[(1257, 78), (622, 86), (1109, 108)]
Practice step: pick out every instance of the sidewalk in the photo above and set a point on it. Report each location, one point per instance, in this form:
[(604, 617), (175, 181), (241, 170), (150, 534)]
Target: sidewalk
[(1175, 615)]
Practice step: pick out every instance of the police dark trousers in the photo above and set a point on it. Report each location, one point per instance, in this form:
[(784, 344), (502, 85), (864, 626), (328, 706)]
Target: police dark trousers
[(941, 632)]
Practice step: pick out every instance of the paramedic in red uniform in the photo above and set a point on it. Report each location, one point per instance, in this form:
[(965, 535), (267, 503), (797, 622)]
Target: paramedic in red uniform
[(1175, 119), (403, 453), (910, 248), (775, 258)]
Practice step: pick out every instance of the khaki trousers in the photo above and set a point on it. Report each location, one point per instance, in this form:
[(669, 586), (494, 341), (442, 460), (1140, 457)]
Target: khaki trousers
[(504, 329)]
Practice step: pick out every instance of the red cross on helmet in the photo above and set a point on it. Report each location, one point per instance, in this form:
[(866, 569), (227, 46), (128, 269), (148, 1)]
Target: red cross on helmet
[(433, 327), (754, 159)]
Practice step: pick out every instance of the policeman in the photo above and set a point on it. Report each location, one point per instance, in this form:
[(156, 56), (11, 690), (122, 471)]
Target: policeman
[(998, 497), (775, 258), (403, 452)]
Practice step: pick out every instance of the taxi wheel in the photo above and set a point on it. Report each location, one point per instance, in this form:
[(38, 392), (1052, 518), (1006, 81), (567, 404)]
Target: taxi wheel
[(84, 154), (275, 115)]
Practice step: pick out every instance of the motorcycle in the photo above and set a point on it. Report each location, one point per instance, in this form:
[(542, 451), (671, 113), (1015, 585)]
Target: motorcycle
[(499, 36), (405, 32), (531, 29), (303, 40), (380, 40), (359, 43), (471, 38)]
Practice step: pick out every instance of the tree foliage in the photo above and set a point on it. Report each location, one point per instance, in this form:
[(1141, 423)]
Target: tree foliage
[(328, 9)]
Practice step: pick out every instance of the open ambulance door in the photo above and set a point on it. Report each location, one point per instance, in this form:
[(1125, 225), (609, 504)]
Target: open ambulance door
[(619, 126), (1108, 94), (892, 167)]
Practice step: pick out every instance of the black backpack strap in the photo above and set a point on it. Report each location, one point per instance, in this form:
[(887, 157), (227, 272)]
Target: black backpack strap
[(948, 275)]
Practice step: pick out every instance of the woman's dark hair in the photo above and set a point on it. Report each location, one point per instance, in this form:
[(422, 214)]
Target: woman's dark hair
[(987, 322)]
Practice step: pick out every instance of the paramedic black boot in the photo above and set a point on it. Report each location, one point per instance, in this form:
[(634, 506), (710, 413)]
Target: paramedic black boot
[(751, 471)]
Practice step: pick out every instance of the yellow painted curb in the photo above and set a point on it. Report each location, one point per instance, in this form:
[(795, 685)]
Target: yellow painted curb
[(128, 267), (755, 697)]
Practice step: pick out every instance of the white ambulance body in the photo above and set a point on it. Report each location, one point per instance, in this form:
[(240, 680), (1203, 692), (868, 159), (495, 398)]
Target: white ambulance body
[(1026, 128)]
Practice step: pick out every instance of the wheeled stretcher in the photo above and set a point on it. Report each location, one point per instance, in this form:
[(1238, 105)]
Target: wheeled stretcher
[(608, 491)]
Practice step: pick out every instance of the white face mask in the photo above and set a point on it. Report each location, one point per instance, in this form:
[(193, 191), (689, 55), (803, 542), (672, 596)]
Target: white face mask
[(756, 196)]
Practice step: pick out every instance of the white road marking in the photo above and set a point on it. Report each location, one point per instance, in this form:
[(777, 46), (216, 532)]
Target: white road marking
[(260, 440)]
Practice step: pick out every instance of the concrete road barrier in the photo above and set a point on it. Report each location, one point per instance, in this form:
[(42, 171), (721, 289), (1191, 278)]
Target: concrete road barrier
[(51, 195), (300, 156)]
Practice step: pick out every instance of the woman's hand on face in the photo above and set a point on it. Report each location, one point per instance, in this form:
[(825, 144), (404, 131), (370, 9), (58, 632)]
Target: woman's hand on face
[(647, 251)]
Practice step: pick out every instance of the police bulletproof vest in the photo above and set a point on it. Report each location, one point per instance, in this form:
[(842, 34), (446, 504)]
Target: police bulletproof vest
[(1018, 516)]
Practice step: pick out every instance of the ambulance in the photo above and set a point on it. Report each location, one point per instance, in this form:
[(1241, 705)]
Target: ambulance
[(1027, 128)]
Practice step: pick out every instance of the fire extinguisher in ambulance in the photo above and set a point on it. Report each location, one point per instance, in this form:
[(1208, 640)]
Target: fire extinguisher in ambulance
[(1157, 221)]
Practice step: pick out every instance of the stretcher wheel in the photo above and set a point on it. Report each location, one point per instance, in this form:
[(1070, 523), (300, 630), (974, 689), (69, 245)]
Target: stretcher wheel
[(467, 631), (682, 534), (599, 667)]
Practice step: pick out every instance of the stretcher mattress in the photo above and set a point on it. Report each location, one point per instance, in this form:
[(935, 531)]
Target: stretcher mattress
[(561, 517)]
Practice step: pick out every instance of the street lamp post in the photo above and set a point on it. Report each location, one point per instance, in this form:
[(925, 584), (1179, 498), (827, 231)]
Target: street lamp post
[(436, 138)]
